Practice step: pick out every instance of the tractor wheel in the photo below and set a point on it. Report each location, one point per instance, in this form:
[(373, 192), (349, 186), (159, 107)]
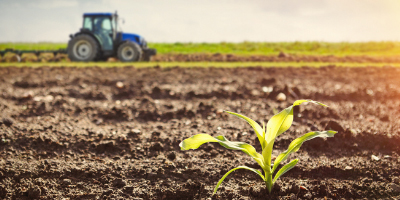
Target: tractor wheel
[(129, 52), (83, 48)]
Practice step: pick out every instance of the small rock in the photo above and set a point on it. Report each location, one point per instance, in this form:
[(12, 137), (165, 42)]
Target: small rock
[(375, 158), (281, 97), (133, 132), (220, 111), (266, 89), (395, 187), (48, 98), (348, 168), (34, 192), (119, 85), (255, 92), (38, 98), (67, 181), (370, 92)]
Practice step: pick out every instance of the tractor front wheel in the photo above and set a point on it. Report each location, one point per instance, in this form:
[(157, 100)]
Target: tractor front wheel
[(129, 52), (83, 48)]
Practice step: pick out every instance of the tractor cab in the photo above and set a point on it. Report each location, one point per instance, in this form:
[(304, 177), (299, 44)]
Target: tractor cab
[(100, 39), (103, 26)]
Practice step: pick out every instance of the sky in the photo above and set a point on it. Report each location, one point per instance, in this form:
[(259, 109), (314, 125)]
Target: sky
[(208, 20)]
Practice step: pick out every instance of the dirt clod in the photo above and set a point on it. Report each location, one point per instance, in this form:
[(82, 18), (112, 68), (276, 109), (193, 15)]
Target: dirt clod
[(335, 126), (119, 183), (34, 192), (7, 121)]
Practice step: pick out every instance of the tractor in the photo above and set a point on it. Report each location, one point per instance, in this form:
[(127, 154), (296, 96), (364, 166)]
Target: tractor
[(99, 39)]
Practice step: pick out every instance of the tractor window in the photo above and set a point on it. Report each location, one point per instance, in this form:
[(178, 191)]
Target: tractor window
[(87, 23), (102, 24), (107, 24)]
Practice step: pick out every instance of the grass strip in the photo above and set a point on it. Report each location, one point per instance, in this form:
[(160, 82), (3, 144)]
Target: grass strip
[(198, 64)]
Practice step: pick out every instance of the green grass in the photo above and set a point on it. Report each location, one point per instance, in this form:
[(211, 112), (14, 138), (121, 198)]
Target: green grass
[(273, 48), (33, 46), (251, 48), (198, 64)]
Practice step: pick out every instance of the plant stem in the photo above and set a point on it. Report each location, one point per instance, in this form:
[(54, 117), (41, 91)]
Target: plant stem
[(268, 181)]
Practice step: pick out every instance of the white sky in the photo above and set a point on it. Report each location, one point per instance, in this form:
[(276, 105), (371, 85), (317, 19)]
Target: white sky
[(208, 20)]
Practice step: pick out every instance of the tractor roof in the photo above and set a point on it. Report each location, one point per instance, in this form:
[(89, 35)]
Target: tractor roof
[(98, 14)]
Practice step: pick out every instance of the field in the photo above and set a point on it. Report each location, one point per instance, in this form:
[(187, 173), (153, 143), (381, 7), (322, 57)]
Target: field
[(384, 48), (113, 132)]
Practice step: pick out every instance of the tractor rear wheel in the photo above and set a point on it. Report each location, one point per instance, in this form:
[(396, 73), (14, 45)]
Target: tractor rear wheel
[(83, 48), (129, 52)]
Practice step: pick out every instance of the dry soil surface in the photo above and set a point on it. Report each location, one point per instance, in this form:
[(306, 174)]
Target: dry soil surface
[(114, 133)]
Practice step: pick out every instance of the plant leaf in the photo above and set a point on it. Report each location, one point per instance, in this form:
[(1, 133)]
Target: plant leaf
[(285, 169), (296, 144), (282, 121), (266, 154), (230, 171), (257, 128), (278, 124), (196, 141)]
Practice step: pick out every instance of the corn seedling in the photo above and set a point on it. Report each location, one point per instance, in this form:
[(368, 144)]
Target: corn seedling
[(278, 124)]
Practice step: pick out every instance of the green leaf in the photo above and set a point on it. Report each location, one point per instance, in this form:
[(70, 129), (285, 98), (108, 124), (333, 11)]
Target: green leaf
[(278, 124), (240, 167), (266, 154), (285, 169), (296, 144), (282, 121), (196, 141), (257, 128)]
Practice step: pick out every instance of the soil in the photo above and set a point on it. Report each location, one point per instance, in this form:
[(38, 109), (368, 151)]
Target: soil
[(281, 57), (114, 133), (218, 57)]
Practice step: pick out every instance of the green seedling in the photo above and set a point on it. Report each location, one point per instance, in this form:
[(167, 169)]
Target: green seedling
[(278, 124)]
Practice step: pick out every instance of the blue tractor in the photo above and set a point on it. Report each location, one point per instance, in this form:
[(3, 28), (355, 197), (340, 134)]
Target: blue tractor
[(99, 39)]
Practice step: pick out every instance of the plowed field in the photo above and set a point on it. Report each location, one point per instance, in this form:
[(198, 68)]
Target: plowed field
[(114, 133)]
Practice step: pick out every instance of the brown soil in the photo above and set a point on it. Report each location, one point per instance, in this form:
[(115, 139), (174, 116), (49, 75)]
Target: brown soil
[(199, 57), (282, 57), (113, 133)]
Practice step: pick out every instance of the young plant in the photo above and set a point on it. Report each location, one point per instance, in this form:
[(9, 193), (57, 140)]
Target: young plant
[(278, 124)]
